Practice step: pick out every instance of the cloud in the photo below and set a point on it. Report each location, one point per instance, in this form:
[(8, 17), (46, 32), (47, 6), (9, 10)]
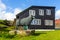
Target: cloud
[(2, 6), (17, 10), (57, 15), (9, 15)]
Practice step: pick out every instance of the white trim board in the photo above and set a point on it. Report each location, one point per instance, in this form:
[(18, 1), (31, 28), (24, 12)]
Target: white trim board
[(45, 30)]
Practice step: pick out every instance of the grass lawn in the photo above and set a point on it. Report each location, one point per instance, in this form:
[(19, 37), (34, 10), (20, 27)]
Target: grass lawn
[(50, 35)]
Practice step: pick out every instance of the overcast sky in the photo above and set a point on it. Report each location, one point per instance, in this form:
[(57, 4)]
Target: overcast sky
[(9, 8)]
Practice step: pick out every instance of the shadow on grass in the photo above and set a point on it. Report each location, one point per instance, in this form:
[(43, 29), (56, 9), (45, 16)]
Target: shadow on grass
[(37, 34), (4, 29), (10, 36)]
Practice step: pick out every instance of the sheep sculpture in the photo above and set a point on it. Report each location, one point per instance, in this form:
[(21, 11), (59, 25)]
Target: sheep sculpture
[(25, 22)]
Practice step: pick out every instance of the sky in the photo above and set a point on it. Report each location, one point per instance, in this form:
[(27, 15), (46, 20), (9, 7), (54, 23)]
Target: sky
[(9, 8)]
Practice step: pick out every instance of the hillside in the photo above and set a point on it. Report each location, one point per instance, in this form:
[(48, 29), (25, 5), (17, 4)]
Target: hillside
[(6, 25)]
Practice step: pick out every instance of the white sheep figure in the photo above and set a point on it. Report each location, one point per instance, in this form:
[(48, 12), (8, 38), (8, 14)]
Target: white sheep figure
[(24, 21), (27, 20)]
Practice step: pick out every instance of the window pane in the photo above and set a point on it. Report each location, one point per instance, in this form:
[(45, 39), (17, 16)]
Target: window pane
[(41, 12), (48, 12), (39, 21), (46, 22), (31, 12), (36, 22), (49, 22), (32, 23)]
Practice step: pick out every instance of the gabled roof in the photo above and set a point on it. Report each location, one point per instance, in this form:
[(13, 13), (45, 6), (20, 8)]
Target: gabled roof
[(36, 7)]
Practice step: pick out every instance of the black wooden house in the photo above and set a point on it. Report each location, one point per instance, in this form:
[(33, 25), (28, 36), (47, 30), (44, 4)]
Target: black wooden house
[(44, 17)]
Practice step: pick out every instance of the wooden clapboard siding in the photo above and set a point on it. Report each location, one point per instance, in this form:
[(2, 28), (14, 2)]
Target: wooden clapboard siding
[(25, 13)]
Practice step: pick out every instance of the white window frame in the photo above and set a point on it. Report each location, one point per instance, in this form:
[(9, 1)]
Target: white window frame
[(48, 11), (31, 12), (36, 22), (49, 22), (41, 12)]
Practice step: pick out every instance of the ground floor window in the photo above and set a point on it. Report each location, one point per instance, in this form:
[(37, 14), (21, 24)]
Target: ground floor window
[(49, 22), (36, 22)]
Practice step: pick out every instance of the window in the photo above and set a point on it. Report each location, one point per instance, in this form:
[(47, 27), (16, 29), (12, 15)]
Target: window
[(17, 22), (36, 22), (48, 11), (41, 12), (31, 12), (49, 22)]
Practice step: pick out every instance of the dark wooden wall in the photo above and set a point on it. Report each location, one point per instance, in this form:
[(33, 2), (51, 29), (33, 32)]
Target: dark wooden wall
[(37, 16)]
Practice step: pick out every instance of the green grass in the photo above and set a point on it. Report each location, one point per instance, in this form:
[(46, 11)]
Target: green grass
[(51, 35), (2, 25)]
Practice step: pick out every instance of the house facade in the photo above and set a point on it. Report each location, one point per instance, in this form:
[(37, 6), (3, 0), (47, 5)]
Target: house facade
[(44, 17)]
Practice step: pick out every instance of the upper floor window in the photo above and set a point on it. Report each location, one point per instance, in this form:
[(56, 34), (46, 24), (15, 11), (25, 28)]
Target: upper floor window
[(31, 12), (41, 12), (49, 22), (48, 12), (36, 22)]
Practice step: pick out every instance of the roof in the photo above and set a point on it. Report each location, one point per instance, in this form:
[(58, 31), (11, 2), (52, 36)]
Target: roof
[(36, 7)]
